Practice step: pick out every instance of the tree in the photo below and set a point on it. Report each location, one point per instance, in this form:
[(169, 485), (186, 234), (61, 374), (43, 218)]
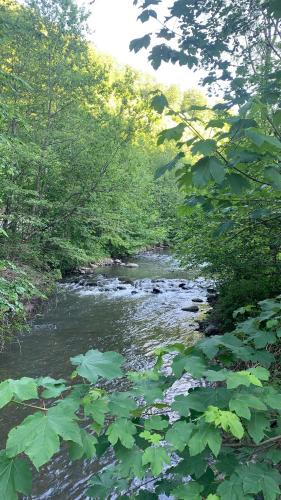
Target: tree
[(231, 155)]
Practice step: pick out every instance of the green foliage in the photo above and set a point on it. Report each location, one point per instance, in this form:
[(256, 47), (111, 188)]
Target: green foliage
[(95, 364), (221, 437), (227, 41), (229, 171), (77, 145), (16, 290)]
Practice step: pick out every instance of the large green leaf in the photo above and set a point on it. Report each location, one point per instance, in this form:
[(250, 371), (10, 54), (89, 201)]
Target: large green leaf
[(223, 228), (122, 430), (189, 491), (168, 166), (140, 43), (241, 403), (53, 387), (257, 426), (157, 458), (146, 15), (121, 404), (159, 103), (237, 183), (191, 364), (205, 435), (204, 147), (227, 420), (273, 175), (232, 490), (20, 390), (86, 450), (174, 133), (206, 169), (97, 410), (95, 364), (260, 478), (260, 139), (272, 397), (179, 434), (15, 477), (38, 435), (103, 484), (155, 422), (130, 462)]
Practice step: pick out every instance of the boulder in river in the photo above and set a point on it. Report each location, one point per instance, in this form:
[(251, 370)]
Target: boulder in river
[(131, 265), (197, 300), (211, 290), (184, 286), (212, 298), (121, 287), (156, 290), (211, 330), (192, 309), (134, 292)]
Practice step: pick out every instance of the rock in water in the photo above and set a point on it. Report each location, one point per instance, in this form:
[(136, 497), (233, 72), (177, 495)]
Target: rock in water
[(182, 285), (156, 290), (131, 265), (193, 309), (197, 300), (211, 330), (212, 298)]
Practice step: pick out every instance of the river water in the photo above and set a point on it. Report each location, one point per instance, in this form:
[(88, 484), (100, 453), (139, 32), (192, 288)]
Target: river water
[(114, 308)]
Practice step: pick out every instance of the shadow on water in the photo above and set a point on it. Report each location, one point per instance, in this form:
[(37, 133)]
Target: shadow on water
[(113, 308)]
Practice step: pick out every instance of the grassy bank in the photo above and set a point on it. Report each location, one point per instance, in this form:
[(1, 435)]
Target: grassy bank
[(22, 291)]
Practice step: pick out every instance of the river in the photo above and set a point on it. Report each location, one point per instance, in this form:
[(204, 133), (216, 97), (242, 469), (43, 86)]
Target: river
[(114, 308)]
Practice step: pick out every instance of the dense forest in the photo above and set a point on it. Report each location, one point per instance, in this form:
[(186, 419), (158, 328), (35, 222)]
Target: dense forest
[(98, 160), (78, 152)]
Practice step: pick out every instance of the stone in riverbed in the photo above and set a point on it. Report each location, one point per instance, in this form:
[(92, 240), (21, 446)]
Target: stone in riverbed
[(131, 265), (156, 291), (211, 330), (211, 290), (134, 292), (120, 287), (212, 298), (193, 309), (184, 286), (197, 300)]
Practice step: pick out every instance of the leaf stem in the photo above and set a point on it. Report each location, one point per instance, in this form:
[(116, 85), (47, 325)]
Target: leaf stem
[(29, 406)]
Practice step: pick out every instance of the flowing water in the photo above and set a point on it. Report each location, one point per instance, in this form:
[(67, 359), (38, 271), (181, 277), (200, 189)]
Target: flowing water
[(113, 308)]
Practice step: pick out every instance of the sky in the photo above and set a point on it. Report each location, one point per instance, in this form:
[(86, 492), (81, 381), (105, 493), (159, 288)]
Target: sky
[(113, 24)]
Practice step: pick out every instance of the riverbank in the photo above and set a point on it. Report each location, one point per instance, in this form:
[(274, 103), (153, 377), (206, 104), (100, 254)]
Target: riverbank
[(23, 290)]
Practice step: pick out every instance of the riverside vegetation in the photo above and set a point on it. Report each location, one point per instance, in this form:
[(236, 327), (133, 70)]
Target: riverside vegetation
[(222, 439), (78, 153)]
